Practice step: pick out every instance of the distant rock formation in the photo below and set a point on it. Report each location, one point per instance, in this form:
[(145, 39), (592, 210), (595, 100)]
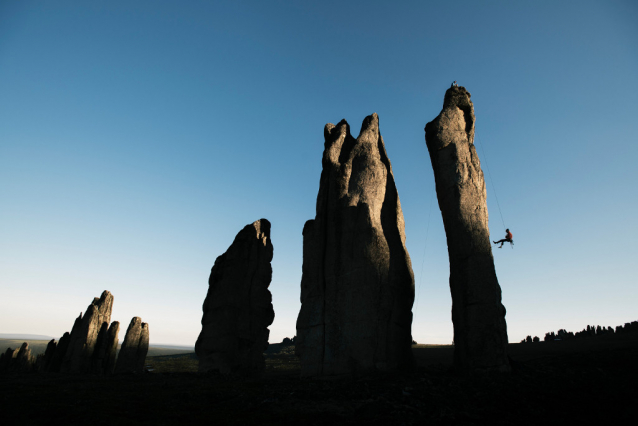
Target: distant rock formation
[(84, 334), (7, 359), (480, 331), (18, 360), (357, 288), (134, 348), (25, 359), (91, 347), (238, 307)]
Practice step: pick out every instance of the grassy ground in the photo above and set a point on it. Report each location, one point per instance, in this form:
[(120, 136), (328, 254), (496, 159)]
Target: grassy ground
[(585, 381)]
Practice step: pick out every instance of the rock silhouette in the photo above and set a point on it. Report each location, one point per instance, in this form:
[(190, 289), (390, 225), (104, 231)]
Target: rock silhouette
[(480, 331), (84, 334), (7, 359), (238, 306), (91, 347), (134, 348), (57, 356), (357, 287), (47, 358), (18, 360)]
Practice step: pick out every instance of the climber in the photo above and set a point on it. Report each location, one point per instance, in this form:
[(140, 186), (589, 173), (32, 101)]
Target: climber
[(454, 84), (507, 239)]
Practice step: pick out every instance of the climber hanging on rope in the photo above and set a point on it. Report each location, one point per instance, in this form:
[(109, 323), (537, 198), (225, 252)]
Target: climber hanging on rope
[(507, 239)]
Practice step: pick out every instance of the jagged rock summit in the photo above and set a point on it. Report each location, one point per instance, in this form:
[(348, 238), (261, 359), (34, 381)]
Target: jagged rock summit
[(480, 331), (238, 307), (84, 334), (357, 287)]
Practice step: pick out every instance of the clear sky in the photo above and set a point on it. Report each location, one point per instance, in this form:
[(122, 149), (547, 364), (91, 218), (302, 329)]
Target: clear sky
[(137, 138)]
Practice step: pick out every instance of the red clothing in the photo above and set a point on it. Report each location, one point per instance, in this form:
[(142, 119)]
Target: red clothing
[(508, 236)]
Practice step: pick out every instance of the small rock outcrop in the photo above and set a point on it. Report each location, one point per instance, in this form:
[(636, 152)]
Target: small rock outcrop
[(18, 360), (84, 334), (480, 331), (357, 287), (103, 359), (47, 358), (7, 359), (134, 348), (238, 306), (55, 365)]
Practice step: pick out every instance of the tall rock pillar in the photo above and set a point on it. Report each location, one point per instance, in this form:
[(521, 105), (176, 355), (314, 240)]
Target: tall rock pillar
[(480, 331), (238, 307), (357, 287)]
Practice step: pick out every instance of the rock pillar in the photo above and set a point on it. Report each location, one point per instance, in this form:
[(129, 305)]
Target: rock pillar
[(357, 287), (79, 353), (134, 347), (103, 360), (480, 331), (238, 306)]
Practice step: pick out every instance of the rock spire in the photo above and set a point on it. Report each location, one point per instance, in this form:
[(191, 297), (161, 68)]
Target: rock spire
[(480, 331), (134, 348), (238, 307), (84, 335), (357, 287)]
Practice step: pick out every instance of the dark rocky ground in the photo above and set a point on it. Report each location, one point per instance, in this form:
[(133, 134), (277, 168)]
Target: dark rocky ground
[(581, 381)]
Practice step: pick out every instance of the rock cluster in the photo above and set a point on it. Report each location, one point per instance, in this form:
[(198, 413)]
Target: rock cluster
[(238, 306), (84, 335), (91, 347), (480, 331), (357, 287), (20, 359), (134, 348)]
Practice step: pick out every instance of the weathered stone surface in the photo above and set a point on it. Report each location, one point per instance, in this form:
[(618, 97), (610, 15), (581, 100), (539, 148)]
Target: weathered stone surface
[(77, 358), (134, 348), (238, 306), (480, 331), (103, 359), (357, 288), (60, 351), (25, 360), (47, 358), (110, 353)]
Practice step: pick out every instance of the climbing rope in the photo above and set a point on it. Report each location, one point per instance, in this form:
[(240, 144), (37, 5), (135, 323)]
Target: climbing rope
[(491, 180)]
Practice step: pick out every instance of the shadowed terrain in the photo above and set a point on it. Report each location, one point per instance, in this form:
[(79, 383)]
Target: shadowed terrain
[(587, 381), (38, 347)]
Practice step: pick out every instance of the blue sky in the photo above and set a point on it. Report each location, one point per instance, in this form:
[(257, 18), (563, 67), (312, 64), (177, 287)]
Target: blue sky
[(138, 138)]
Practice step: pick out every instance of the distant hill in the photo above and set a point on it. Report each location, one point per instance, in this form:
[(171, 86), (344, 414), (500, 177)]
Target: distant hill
[(178, 347), (24, 337)]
